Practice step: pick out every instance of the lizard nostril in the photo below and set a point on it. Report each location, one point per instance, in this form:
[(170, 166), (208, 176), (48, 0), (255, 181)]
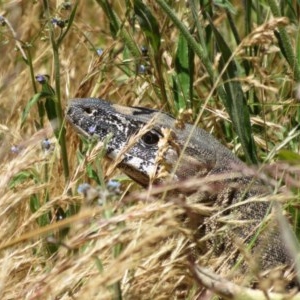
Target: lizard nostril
[(88, 110)]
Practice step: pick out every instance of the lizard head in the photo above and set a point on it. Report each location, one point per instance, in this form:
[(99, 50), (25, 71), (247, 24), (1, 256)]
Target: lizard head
[(145, 143), (134, 147)]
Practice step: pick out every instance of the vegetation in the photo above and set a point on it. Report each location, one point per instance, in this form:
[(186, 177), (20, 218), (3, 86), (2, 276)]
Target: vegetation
[(69, 230)]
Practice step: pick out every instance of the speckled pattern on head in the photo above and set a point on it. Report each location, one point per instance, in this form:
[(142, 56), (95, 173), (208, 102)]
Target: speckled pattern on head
[(96, 117)]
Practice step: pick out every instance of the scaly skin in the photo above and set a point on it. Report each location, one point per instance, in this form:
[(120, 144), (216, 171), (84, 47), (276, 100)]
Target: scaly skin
[(157, 144)]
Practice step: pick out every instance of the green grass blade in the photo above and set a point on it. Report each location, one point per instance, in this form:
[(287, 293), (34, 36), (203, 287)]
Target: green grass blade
[(285, 44), (148, 24), (117, 28), (33, 100), (50, 104), (183, 82), (202, 54), (236, 103), (69, 24), (114, 21)]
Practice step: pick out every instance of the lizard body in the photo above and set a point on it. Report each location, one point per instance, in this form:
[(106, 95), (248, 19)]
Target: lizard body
[(186, 152)]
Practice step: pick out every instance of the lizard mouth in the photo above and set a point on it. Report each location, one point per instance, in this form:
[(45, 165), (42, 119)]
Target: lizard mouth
[(140, 178)]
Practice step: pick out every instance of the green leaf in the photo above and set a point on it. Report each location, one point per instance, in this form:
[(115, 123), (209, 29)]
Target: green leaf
[(92, 174), (235, 101), (184, 67), (49, 94), (34, 203), (298, 46), (29, 105), (289, 156), (114, 21), (70, 22), (117, 29), (280, 44), (22, 177), (148, 24), (99, 264), (50, 109), (226, 5)]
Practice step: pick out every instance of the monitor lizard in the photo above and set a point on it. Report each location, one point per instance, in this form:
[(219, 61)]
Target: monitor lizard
[(147, 144)]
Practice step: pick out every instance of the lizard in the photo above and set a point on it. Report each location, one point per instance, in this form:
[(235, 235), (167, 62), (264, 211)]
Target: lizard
[(144, 142)]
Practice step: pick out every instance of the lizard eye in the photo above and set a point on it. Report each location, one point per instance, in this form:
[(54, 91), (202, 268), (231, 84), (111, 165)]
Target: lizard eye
[(150, 138)]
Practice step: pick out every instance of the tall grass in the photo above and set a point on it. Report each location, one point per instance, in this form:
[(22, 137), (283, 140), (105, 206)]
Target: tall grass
[(232, 67)]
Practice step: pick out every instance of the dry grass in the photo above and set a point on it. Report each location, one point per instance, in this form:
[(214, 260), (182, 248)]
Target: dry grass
[(134, 245)]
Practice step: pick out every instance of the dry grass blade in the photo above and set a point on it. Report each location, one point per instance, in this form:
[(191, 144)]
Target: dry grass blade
[(229, 290)]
